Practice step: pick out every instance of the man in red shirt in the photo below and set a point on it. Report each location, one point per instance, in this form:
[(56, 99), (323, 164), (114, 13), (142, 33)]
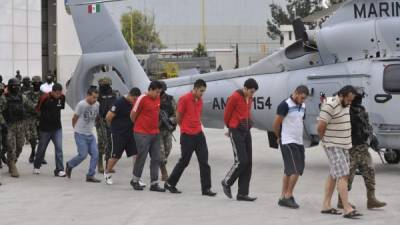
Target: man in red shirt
[(188, 116), (145, 116), (237, 118)]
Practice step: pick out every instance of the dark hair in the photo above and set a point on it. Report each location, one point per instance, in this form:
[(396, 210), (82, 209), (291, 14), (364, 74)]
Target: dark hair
[(57, 87), (135, 92), (92, 90), (302, 89), (155, 85), (346, 90), (251, 84), (199, 83)]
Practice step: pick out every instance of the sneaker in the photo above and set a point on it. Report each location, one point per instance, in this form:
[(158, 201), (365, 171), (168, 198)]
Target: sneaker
[(288, 202), (136, 186), (171, 188), (60, 173), (156, 188), (107, 179), (44, 162), (92, 179), (36, 171), (142, 184)]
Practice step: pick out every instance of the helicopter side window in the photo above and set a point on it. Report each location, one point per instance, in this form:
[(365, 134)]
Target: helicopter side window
[(391, 79)]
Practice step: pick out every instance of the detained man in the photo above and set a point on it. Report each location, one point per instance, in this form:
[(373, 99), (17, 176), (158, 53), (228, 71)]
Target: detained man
[(237, 118), (49, 107), (192, 139), (118, 118), (145, 116), (288, 127), (83, 122), (334, 129)]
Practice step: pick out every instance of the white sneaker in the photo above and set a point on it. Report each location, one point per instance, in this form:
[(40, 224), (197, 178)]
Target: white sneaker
[(36, 171), (141, 183), (61, 174), (107, 179)]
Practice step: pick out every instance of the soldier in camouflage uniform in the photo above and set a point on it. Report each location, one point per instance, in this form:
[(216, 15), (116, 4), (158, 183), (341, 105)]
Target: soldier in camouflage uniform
[(360, 158), (3, 126), (167, 126), (26, 85), (32, 119), (14, 113), (106, 99)]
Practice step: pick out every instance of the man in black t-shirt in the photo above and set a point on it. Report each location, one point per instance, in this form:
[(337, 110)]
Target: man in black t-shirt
[(121, 130), (49, 108)]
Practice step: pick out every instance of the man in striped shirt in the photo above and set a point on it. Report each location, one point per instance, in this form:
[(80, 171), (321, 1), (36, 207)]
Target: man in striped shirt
[(334, 129)]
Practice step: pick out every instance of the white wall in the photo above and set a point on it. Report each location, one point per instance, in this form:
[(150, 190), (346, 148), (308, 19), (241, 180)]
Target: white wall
[(20, 38)]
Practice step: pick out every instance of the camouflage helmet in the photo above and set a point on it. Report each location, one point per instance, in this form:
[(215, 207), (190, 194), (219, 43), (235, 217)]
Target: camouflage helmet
[(26, 79), (14, 82), (36, 79), (105, 81)]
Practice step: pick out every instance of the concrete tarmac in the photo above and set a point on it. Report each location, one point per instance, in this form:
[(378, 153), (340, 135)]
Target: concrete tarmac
[(47, 200)]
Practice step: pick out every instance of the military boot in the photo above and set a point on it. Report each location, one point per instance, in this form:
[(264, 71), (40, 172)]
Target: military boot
[(164, 173), (13, 170), (372, 202), (100, 167)]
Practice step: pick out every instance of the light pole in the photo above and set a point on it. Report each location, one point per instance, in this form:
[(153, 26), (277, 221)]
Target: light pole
[(131, 12), (203, 23)]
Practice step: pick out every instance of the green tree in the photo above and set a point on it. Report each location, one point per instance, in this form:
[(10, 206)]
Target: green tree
[(293, 10), (145, 37), (200, 51)]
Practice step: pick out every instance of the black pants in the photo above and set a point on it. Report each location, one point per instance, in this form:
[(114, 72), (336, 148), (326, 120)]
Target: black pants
[(189, 144), (241, 169)]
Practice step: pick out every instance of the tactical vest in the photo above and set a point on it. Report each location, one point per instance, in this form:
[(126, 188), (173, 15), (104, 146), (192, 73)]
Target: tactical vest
[(166, 104), (25, 90), (361, 130), (106, 102), (15, 110), (34, 97), (168, 109)]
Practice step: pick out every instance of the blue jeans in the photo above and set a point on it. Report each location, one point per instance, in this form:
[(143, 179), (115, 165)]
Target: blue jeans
[(56, 138), (86, 144)]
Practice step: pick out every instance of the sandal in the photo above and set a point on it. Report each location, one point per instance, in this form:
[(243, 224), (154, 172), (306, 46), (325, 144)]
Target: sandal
[(351, 215), (331, 211)]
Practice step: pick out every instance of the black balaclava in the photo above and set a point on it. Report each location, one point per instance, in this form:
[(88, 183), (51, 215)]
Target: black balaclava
[(49, 79), (14, 89), (105, 89), (36, 86)]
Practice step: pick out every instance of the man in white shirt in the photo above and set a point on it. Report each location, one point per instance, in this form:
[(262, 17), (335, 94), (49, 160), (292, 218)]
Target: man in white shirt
[(288, 127), (48, 86)]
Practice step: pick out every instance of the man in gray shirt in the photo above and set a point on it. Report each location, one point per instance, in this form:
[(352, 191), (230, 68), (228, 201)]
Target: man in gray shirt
[(86, 113)]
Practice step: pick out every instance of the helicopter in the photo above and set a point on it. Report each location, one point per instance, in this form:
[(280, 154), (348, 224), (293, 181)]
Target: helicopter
[(358, 44)]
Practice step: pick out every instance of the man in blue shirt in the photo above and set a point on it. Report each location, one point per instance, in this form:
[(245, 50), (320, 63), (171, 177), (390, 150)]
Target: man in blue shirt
[(121, 130)]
